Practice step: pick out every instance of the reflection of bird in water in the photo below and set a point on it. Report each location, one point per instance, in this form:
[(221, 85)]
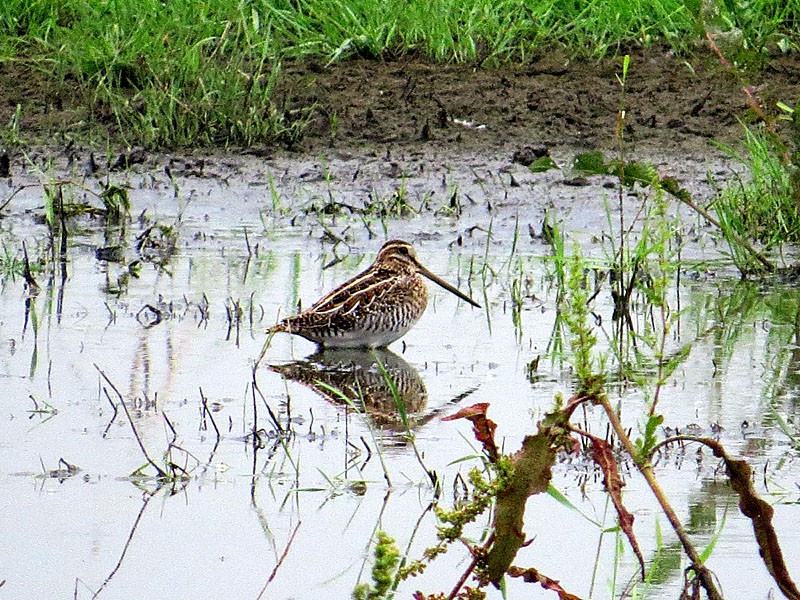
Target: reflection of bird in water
[(357, 375), (374, 308)]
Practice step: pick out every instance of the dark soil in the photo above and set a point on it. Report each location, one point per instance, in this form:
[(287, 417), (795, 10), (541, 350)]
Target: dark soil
[(550, 102), (672, 103)]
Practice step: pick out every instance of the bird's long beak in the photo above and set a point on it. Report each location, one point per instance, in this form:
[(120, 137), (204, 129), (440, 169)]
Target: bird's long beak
[(450, 288)]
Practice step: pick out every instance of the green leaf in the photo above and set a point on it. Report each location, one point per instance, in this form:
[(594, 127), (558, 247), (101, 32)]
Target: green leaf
[(591, 163), (561, 498), (644, 173), (542, 164)]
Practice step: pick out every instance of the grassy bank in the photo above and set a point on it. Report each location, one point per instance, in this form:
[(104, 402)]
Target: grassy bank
[(202, 72)]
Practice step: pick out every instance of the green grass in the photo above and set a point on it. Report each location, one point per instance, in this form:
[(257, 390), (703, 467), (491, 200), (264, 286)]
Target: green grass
[(166, 74), (763, 205), (189, 72)]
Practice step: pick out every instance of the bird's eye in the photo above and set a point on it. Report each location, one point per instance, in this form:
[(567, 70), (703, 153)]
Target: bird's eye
[(403, 250)]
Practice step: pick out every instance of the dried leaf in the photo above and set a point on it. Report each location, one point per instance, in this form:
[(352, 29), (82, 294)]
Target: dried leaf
[(482, 428), (760, 513), (603, 455), (533, 576)]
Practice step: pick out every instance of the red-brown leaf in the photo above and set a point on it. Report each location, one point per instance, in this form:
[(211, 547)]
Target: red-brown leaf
[(482, 428), (533, 576), (603, 455)]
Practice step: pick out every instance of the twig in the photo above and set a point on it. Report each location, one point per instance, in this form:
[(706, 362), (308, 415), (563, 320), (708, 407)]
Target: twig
[(116, 410), (280, 560), (703, 213), (158, 469), (171, 428), (125, 548), (210, 416), (462, 580)]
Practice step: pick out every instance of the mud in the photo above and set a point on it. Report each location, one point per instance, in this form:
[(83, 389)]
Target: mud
[(673, 103)]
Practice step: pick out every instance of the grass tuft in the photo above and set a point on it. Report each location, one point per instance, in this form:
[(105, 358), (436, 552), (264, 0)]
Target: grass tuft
[(765, 207)]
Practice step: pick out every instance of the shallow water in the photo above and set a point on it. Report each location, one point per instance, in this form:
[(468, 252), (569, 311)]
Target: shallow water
[(294, 516)]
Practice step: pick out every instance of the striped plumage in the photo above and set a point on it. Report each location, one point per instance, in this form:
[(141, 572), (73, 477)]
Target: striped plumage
[(374, 308)]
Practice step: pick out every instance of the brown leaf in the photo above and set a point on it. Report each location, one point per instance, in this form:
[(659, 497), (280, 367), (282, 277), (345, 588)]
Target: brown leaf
[(533, 576), (482, 428), (603, 455), (760, 513)]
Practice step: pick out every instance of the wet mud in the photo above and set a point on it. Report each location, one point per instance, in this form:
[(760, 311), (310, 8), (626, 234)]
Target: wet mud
[(672, 103)]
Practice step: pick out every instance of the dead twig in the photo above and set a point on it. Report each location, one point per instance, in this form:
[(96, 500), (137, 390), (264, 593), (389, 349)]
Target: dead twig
[(159, 470), (280, 560)]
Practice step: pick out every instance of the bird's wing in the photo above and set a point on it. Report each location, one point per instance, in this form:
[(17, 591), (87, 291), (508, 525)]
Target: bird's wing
[(352, 297)]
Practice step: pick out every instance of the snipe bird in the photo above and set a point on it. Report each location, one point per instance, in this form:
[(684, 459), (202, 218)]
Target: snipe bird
[(374, 308)]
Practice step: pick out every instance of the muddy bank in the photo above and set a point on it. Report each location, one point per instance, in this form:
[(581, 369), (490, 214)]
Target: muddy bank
[(673, 103), (453, 138)]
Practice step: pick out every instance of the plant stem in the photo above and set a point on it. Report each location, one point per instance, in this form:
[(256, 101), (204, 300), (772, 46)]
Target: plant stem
[(158, 469), (739, 240), (705, 575)]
